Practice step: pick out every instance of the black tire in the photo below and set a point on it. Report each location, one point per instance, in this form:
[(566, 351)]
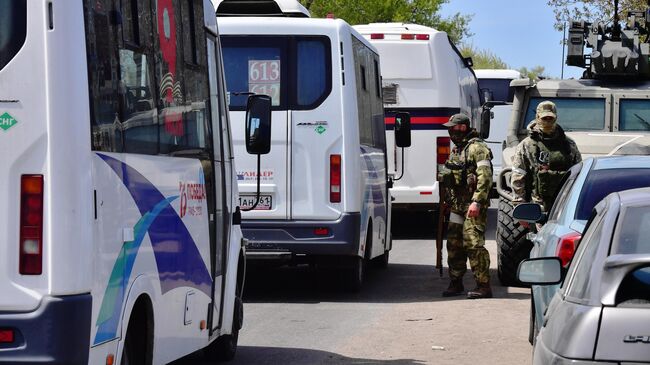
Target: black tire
[(512, 245), (224, 348), (531, 323), (357, 272), (138, 342), (381, 262)]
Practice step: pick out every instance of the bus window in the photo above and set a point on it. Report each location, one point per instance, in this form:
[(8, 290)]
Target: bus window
[(500, 89), (13, 29), (294, 71), (312, 72)]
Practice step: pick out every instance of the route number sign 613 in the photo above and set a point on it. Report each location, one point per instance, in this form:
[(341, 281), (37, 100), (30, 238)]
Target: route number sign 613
[(264, 78)]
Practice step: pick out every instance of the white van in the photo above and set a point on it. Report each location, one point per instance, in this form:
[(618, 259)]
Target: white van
[(423, 74), (495, 87), (324, 192), (120, 240)]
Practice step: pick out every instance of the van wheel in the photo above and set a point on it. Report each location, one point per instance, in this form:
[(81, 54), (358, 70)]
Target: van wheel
[(356, 274), (224, 348), (381, 262), (138, 342)]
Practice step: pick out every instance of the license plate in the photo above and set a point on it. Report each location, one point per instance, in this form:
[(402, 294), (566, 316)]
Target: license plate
[(247, 201)]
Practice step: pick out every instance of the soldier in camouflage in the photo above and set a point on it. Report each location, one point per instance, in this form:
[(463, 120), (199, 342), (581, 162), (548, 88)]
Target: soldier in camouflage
[(467, 178), (542, 159)]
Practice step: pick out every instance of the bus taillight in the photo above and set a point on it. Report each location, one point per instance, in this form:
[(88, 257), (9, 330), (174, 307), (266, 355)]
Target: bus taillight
[(31, 225), (335, 178), (443, 149)]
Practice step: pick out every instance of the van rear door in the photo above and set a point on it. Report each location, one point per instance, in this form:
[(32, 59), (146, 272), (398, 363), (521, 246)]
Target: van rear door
[(259, 64)]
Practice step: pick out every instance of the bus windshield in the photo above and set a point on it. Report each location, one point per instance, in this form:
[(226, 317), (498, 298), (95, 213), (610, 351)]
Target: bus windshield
[(13, 29), (634, 115), (500, 89), (573, 114), (294, 71)]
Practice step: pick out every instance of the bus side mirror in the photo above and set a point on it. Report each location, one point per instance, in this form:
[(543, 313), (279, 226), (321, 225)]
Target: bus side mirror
[(486, 115), (403, 129), (258, 125)]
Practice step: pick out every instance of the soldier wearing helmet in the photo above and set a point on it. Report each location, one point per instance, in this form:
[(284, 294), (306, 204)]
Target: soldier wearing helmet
[(542, 159), (467, 178)]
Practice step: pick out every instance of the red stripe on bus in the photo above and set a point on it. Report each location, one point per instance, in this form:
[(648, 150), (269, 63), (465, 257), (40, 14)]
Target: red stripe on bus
[(420, 120)]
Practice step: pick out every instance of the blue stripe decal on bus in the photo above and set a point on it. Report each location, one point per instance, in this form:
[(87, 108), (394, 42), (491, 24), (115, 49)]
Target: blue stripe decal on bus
[(109, 314), (178, 259)]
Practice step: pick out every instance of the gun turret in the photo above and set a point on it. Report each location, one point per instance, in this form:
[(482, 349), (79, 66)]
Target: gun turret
[(617, 49)]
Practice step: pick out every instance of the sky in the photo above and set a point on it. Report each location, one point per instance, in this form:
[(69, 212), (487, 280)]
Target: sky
[(520, 32)]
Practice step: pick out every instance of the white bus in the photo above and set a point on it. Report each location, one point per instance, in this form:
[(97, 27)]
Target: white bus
[(119, 241), (324, 191), (423, 74), (495, 87)]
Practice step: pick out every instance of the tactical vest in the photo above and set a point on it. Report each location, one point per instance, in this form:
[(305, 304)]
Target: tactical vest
[(550, 166), (462, 177)]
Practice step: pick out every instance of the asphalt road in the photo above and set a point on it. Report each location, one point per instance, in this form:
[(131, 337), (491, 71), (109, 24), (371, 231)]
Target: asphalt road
[(302, 316)]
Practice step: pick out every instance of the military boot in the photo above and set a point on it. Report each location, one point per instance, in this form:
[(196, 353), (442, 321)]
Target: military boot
[(455, 288), (481, 291)]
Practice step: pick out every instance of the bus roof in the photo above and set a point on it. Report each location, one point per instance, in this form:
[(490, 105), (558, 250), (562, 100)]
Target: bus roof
[(497, 74), (277, 25), (272, 8), (394, 28)]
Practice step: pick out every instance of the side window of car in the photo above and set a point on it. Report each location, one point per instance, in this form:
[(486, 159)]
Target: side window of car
[(580, 271), (562, 197)]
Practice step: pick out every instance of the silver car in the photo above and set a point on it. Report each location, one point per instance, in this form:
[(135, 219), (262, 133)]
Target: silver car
[(601, 314), (585, 185)]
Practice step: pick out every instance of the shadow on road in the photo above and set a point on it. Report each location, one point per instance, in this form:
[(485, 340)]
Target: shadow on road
[(399, 283), (423, 225), (259, 355)]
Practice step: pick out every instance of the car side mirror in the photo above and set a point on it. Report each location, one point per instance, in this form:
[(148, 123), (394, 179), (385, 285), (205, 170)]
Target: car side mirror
[(540, 271), (486, 116), (403, 129), (258, 125), (528, 212)]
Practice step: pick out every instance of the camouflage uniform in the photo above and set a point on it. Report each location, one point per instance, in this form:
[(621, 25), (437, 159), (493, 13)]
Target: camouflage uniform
[(539, 164), (467, 176)]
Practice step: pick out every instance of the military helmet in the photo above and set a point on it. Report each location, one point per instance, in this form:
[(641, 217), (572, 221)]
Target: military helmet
[(457, 119), (546, 109)]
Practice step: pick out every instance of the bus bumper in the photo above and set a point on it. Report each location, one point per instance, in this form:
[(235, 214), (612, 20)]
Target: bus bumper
[(57, 332), (285, 239)]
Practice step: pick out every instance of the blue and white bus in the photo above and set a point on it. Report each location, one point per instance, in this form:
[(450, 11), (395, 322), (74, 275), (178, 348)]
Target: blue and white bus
[(120, 239)]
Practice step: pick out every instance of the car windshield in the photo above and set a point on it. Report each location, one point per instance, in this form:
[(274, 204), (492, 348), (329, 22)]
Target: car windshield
[(634, 115), (500, 89), (573, 114), (600, 183), (13, 29), (634, 232)]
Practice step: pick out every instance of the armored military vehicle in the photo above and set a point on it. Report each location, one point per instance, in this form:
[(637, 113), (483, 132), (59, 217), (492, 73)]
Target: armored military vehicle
[(607, 112)]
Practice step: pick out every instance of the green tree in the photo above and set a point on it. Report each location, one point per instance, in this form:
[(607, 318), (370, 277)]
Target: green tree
[(424, 12), (483, 59), (534, 73), (591, 10)]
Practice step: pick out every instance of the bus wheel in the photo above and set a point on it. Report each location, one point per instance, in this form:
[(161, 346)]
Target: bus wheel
[(224, 348), (357, 272), (381, 262), (138, 342)]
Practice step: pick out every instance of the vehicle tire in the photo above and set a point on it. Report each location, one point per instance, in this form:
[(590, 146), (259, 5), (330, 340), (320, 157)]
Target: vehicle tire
[(137, 344), (531, 323), (357, 272), (381, 262), (224, 348), (512, 245)]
